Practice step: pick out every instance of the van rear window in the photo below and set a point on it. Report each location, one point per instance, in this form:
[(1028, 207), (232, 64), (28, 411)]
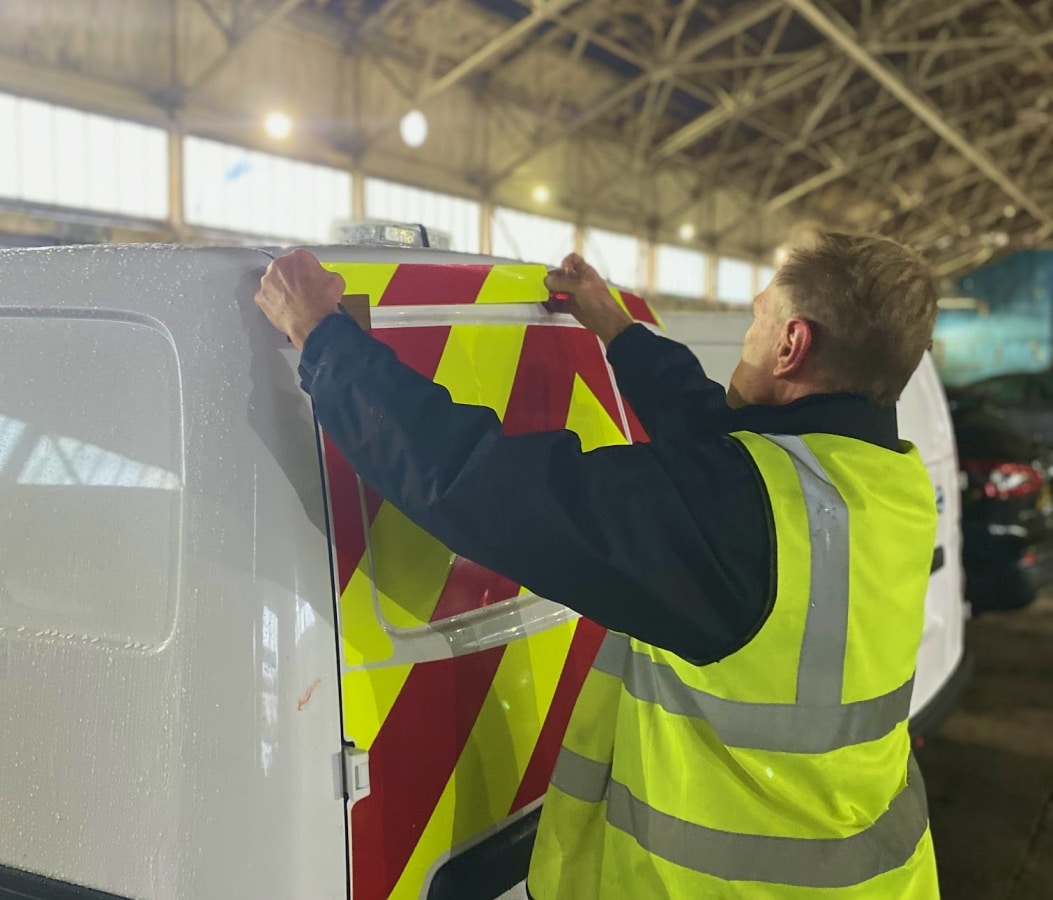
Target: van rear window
[(90, 479)]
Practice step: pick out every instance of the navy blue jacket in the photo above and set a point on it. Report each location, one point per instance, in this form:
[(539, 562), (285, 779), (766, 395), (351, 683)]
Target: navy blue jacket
[(668, 541)]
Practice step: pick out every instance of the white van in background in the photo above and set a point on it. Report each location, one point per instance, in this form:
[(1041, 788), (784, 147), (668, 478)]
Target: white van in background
[(715, 336)]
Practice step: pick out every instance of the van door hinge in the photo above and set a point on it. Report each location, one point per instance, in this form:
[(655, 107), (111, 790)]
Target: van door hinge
[(356, 774)]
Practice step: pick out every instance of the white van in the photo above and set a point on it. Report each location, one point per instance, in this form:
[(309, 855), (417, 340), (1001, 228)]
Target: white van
[(944, 664), (227, 668)]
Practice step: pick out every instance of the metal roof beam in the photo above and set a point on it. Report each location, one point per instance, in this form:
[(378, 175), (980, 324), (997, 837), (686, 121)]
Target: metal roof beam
[(507, 38), (238, 44), (658, 93), (217, 20), (753, 14), (838, 34), (773, 88), (846, 167)]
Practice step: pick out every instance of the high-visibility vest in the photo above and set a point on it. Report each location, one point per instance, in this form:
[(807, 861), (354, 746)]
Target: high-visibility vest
[(784, 768)]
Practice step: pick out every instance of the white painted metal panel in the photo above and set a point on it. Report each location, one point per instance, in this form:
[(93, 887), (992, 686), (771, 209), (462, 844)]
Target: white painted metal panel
[(177, 735)]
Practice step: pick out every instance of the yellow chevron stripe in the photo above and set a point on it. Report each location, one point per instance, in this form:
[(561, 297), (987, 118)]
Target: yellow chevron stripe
[(617, 295), (408, 594), (364, 278), (590, 420), (367, 694), (368, 697), (479, 364), (514, 284), (487, 776)]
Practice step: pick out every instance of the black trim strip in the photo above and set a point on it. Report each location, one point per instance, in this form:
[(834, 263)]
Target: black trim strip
[(939, 560), (16, 884), (491, 867)]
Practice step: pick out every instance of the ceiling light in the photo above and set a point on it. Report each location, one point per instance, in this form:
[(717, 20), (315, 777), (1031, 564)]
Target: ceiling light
[(782, 254), (1009, 212), (541, 194), (278, 125), (414, 128), (687, 232)]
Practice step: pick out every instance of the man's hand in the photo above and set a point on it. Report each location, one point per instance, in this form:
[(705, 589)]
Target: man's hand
[(297, 293), (591, 302)]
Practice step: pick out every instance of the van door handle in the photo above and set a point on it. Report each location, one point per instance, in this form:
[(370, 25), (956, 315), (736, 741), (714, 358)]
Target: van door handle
[(939, 560)]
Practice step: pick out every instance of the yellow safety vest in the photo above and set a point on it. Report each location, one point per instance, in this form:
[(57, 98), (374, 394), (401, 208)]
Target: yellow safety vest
[(784, 770)]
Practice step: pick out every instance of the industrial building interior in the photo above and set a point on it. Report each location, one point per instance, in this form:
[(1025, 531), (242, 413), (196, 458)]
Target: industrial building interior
[(683, 147)]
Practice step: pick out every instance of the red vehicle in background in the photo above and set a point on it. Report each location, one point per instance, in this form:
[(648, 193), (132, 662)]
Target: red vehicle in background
[(1007, 506)]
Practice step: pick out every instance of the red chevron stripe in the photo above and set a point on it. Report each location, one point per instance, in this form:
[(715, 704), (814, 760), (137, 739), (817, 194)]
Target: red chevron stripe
[(471, 586), (638, 308), (583, 648), (348, 528), (428, 285), (410, 763)]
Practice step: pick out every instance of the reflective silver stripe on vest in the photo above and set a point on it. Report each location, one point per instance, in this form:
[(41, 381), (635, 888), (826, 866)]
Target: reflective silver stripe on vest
[(580, 776), (820, 672), (613, 654), (784, 727), (800, 862)]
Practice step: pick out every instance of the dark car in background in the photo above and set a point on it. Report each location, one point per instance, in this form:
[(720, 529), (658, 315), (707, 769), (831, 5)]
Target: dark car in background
[(1025, 399), (1007, 506)]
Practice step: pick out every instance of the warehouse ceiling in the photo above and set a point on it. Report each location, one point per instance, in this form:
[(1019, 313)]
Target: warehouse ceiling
[(928, 120)]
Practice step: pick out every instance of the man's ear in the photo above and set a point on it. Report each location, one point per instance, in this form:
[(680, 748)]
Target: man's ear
[(795, 345)]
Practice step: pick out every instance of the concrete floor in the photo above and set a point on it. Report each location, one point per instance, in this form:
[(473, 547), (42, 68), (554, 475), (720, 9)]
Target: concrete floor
[(989, 772)]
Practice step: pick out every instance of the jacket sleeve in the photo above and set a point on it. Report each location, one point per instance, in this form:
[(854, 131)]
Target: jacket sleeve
[(607, 533), (666, 386)]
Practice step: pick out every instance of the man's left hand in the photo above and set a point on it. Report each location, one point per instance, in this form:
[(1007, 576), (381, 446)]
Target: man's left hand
[(297, 293)]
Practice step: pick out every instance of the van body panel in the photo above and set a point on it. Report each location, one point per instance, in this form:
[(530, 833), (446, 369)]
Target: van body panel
[(170, 710), (715, 337)]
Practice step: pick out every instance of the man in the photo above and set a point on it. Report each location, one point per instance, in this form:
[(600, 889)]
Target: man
[(761, 563)]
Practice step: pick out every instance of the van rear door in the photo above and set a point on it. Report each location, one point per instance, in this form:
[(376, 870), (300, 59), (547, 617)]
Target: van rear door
[(458, 683)]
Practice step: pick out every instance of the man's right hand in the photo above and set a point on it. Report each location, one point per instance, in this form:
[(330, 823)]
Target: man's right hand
[(591, 302)]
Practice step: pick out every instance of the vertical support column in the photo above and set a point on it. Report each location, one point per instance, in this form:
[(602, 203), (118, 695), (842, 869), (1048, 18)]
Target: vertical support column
[(176, 202), (651, 266), (710, 292), (486, 226), (358, 193)]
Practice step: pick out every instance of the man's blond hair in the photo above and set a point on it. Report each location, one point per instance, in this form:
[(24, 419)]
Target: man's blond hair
[(872, 306)]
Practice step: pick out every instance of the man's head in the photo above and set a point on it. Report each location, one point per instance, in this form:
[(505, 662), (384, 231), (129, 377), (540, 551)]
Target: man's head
[(844, 314)]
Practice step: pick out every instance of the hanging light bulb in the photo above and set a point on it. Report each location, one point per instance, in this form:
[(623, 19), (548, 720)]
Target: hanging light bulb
[(278, 125), (414, 128)]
